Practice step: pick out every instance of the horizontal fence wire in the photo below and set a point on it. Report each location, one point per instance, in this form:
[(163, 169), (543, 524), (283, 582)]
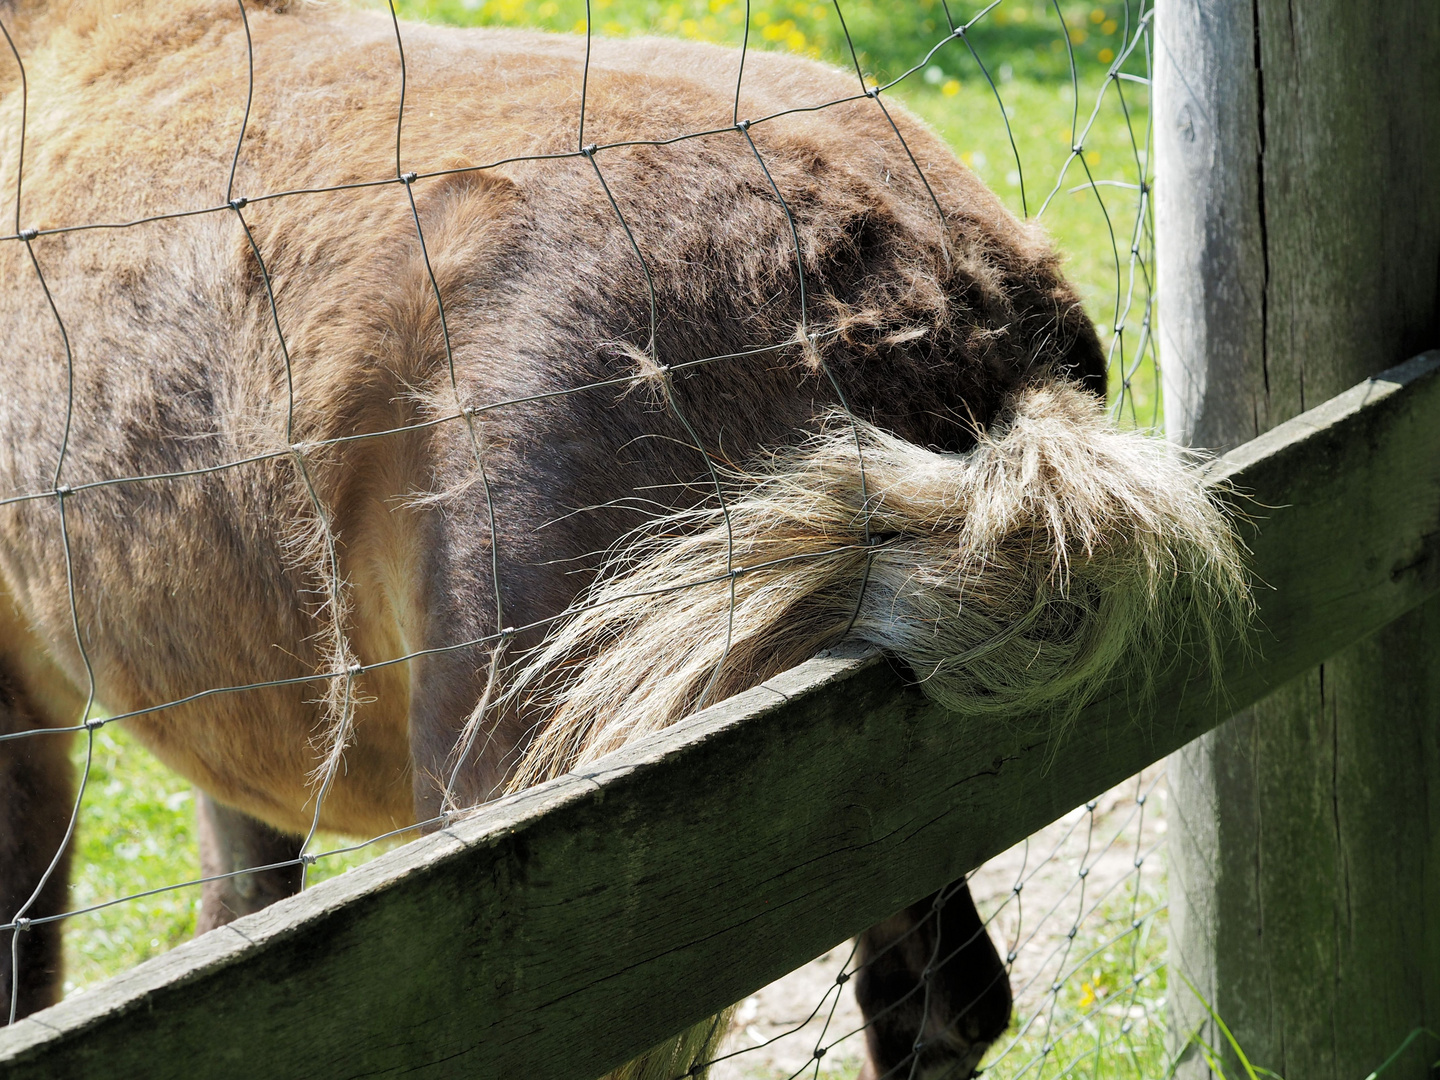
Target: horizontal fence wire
[(1069, 986)]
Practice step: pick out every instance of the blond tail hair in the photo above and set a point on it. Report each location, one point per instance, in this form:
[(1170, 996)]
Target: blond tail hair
[(1013, 579)]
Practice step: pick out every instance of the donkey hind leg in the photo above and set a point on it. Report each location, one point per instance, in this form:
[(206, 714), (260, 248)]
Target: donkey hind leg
[(932, 989), (687, 1054), (231, 841), (37, 798)]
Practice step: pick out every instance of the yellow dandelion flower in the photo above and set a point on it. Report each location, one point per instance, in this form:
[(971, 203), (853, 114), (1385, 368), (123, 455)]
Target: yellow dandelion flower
[(1109, 26), (1097, 16), (1078, 36), (951, 87), (1105, 55)]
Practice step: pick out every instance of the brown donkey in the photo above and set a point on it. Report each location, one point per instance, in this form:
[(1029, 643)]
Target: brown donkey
[(477, 389)]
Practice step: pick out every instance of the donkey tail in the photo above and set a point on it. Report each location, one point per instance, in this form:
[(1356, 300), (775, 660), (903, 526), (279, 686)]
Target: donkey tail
[(1012, 578)]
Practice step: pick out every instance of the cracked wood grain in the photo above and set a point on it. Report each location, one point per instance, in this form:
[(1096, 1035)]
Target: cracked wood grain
[(1298, 230)]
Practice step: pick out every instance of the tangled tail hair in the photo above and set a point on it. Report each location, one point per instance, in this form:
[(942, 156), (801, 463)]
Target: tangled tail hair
[(1012, 579)]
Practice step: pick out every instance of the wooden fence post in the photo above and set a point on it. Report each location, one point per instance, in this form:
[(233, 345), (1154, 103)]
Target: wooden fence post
[(1298, 220)]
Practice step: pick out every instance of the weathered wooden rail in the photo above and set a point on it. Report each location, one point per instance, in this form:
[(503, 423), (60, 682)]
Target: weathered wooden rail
[(561, 931)]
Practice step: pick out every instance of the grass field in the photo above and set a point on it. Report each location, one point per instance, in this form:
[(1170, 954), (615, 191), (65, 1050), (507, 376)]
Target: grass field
[(136, 830)]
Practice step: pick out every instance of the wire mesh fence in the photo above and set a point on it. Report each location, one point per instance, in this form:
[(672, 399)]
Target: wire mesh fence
[(1079, 913), (1047, 102)]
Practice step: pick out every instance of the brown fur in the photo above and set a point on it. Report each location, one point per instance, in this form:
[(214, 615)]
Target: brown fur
[(224, 579), (932, 988)]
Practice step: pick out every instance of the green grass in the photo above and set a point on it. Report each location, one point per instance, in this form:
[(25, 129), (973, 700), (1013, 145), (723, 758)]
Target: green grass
[(137, 831), (1102, 1021)]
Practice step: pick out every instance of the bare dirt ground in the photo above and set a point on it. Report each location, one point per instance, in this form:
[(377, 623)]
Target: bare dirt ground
[(777, 1030)]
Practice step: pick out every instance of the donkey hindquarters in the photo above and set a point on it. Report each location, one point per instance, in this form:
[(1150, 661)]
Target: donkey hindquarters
[(926, 317)]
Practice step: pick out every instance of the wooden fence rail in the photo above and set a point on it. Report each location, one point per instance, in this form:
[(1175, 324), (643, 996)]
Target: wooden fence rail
[(563, 930)]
